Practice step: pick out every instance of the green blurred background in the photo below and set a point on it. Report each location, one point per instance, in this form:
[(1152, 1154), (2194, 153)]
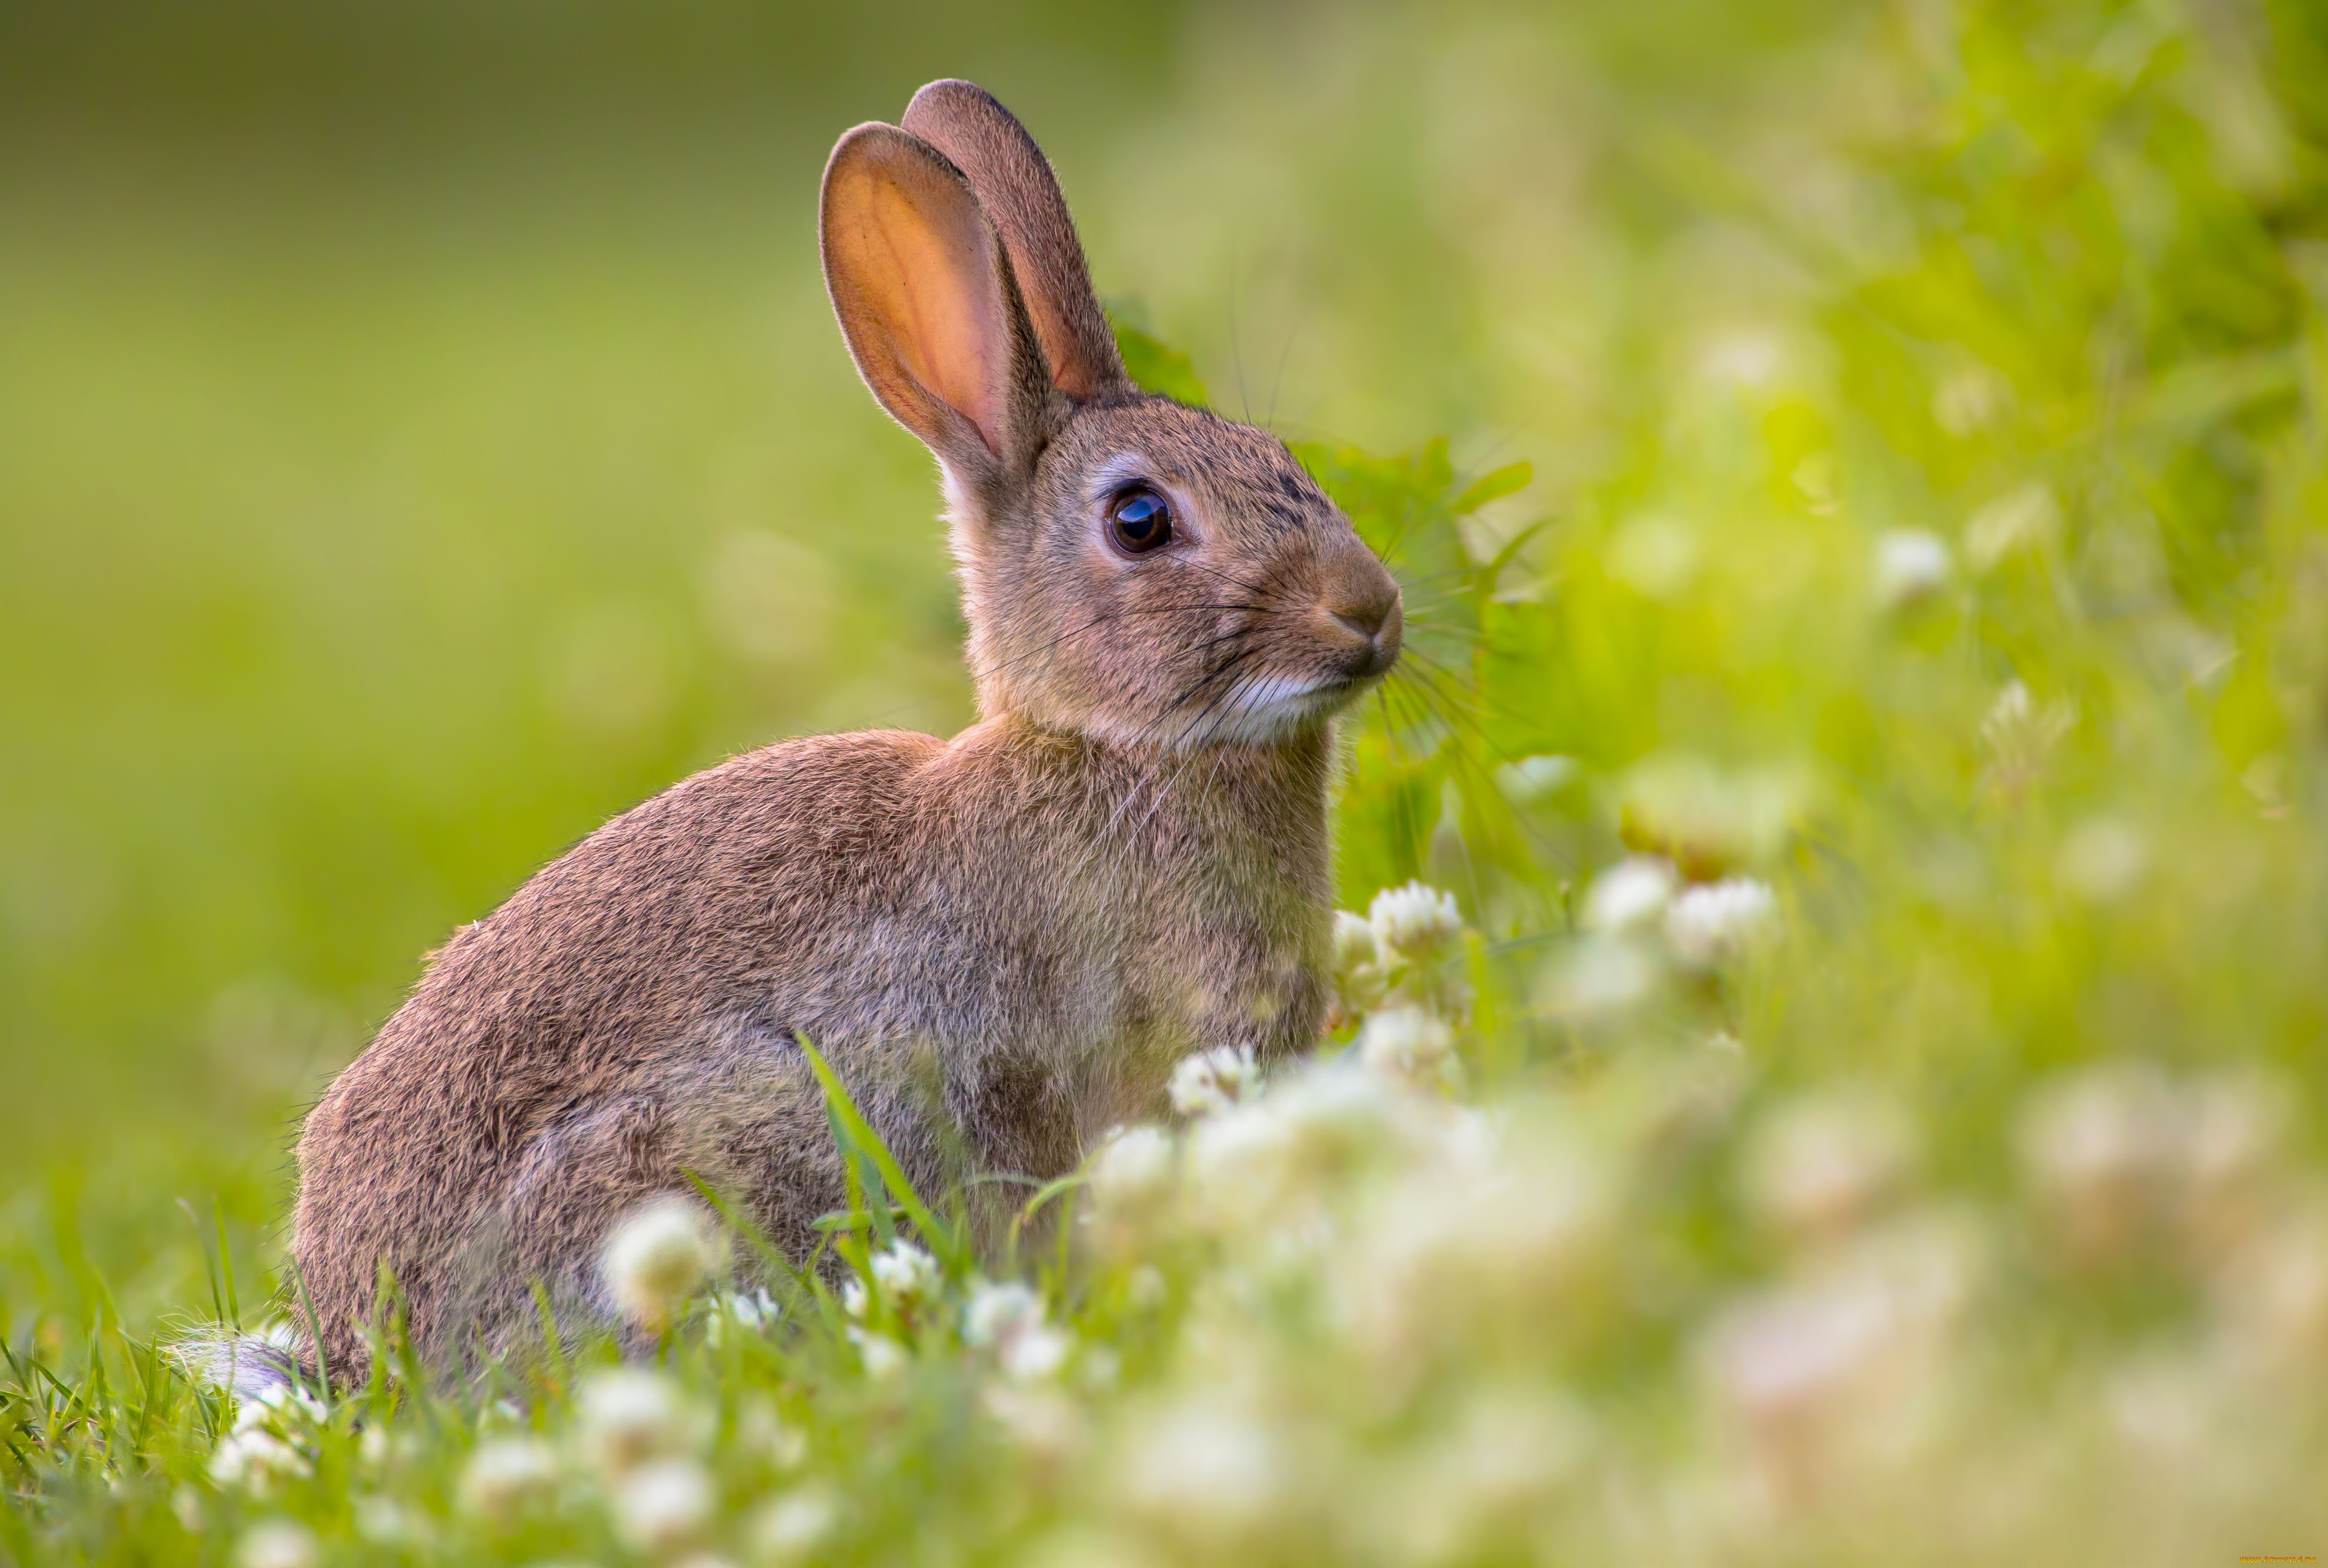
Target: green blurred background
[(423, 434)]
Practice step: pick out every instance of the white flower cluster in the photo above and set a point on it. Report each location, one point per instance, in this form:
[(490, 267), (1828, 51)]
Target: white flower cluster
[(1417, 1232), (1410, 1043), (1376, 1313), (1008, 1319), (906, 1281), (1402, 951), (1911, 568), (1383, 1262), (658, 1256), (272, 1442), (638, 1447), (1642, 922), (2124, 1157), (1209, 1081), (906, 1285)]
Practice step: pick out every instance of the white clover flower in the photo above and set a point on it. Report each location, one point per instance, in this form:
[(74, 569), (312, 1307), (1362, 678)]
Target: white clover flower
[(1430, 1257), (1239, 1163), (1010, 1317), (2273, 1297), (186, 1504), (1910, 567), (257, 1460), (1339, 1114), (1146, 1288), (2170, 1410), (1354, 942), (1781, 1357), (1356, 967), (1841, 1368), (907, 1274), (1505, 1456), (1969, 401), (283, 1406), (996, 1311), (1468, 1141), (2011, 708), (2020, 736), (1042, 1420), (2234, 1134), (1532, 778), (629, 1415), (664, 1507), (1710, 925), (762, 1431), (884, 1357), (1602, 977), (740, 1311), (1133, 1170), (793, 1524), (1414, 922), (2102, 860), (1408, 1043), (509, 1477), (658, 1256), (1631, 895), (2095, 1147), (1821, 1164), (276, 1543), (1209, 1081), (1745, 357), (1203, 1467), (385, 1522), (1035, 1353), (2027, 519)]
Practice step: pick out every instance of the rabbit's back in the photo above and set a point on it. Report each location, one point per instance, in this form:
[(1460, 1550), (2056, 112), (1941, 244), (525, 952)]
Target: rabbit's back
[(578, 1045)]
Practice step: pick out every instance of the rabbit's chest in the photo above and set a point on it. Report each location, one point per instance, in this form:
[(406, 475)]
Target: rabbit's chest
[(1199, 965)]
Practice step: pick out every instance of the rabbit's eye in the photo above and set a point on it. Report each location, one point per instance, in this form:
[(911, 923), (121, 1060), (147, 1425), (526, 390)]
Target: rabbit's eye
[(1139, 521)]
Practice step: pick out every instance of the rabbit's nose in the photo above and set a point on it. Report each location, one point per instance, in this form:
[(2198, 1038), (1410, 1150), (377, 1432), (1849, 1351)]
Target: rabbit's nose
[(1376, 620)]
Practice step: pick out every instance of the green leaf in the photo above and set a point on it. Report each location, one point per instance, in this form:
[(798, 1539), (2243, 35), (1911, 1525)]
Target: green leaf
[(1157, 367), (1509, 480), (941, 1237)]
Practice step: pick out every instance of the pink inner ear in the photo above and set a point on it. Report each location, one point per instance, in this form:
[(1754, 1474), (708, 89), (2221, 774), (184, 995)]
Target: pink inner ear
[(936, 290)]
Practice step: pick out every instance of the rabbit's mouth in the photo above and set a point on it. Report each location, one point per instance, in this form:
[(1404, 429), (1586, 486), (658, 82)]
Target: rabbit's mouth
[(1273, 708)]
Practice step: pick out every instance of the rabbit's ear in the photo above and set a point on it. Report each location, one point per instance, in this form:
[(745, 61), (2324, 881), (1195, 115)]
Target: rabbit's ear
[(1014, 183), (923, 290)]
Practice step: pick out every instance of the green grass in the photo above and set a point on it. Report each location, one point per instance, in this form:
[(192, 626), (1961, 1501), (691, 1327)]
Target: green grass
[(1892, 475)]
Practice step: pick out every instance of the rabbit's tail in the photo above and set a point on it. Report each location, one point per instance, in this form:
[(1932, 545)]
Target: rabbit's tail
[(261, 1365)]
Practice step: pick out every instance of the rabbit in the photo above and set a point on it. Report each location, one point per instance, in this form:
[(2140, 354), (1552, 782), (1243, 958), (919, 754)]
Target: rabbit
[(1003, 941)]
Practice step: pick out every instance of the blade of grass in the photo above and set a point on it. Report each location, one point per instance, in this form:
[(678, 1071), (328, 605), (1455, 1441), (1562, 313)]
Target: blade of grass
[(226, 1263), (939, 1238), (315, 1332), (553, 1344), (1030, 1208), (787, 1277), (209, 1261)]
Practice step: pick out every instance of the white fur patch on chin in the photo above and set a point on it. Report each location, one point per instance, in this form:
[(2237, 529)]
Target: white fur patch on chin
[(1273, 707)]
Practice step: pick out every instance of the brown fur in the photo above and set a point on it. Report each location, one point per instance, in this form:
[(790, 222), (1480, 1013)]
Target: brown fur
[(1002, 941)]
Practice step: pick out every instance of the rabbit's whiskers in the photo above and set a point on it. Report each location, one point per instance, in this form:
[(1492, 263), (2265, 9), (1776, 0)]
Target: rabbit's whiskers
[(1105, 619)]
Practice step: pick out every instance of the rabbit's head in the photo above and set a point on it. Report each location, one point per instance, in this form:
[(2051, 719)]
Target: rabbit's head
[(1133, 568)]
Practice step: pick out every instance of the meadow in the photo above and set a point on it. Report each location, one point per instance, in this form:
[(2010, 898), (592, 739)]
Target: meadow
[(1832, 996)]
